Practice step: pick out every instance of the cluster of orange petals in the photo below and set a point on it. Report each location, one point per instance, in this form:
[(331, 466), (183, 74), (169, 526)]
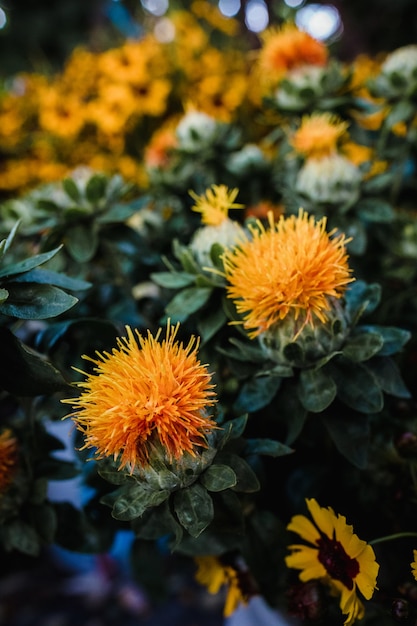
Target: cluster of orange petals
[(294, 267), (8, 458), (318, 135), (145, 393)]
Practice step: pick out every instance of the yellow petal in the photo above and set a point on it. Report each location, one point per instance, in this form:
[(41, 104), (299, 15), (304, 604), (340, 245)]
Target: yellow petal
[(303, 527), (324, 518), (305, 559)]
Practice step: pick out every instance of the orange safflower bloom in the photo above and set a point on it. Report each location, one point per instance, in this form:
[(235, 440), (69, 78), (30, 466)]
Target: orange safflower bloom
[(293, 267), (8, 459), (286, 48), (318, 135), (146, 393)]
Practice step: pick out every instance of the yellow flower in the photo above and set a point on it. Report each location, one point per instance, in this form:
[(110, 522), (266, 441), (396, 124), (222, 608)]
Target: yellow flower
[(335, 555), (146, 393), (8, 458), (293, 267), (286, 48), (214, 205), (61, 113), (318, 135), (214, 575), (414, 564)]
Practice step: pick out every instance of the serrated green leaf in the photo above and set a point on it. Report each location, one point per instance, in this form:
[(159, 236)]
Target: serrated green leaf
[(351, 436), (186, 302), (173, 280), (33, 301), (356, 386), (218, 477), (256, 393), (316, 390), (362, 344), (194, 508), (268, 447), (28, 264)]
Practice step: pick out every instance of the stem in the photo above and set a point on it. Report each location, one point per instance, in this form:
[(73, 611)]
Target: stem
[(391, 537)]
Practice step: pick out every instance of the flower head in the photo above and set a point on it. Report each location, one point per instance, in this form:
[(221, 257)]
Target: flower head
[(318, 135), (287, 48), (145, 393), (213, 574), (335, 555), (215, 204), (332, 179), (414, 564), (8, 459), (293, 267)]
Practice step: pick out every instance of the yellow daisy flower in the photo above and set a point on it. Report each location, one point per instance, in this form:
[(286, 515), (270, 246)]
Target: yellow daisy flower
[(318, 135), (145, 393), (414, 564), (335, 555), (214, 575), (294, 267), (8, 459), (214, 205)]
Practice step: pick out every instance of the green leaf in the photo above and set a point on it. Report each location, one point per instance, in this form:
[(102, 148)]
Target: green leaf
[(194, 508), (156, 523), (208, 325), (375, 210), (356, 386), (186, 302), (316, 390), (27, 373), (400, 112), (45, 522), (394, 338), (268, 447), (256, 393), (216, 252), (96, 188), (111, 474), (362, 344), (247, 481), (21, 536), (81, 241), (173, 280), (4, 294), (291, 412), (134, 500), (28, 264), (388, 375), (5, 244), (362, 298), (32, 301), (71, 189), (218, 477), (48, 277), (351, 436)]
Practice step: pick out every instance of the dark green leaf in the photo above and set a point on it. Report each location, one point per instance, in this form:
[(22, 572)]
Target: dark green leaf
[(208, 325), (134, 500), (156, 523), (6, 243), (256, 393), (27, 264), (351, 436), (394, 338), (19, 535), (247, 481), (27, 373), (375, 210), (362, 298), (173, 280), (45, 522), (194, 508), (400, 112), (33, 301), (96, 188), (268, 447), (81, 241), (362, 344), (316, 390), (52, 278), (356, 386), (291, 411), (388, 375), (71, 189), (218, 477), (186, 302), (216, 252)]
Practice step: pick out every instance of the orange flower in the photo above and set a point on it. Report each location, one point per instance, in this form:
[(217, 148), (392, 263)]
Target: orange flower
[(318, 135), (292, 268), (146, 393), (288, 48), (8, 458)]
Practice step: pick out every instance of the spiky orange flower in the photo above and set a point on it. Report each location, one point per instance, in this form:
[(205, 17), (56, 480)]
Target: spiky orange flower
[(318, 135), (286, 48), (294, 267), (8, 458), (214, 205), (145, 393)]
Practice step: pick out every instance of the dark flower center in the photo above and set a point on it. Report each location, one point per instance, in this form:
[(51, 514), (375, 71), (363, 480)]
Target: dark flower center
[(338, 564)]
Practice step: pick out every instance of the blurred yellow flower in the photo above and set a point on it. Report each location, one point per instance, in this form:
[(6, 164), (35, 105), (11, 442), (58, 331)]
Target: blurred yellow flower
[(214, 575), (318, 135), (335, 555), (294, 267), (215, 204), (414, 564), (146, 393)]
